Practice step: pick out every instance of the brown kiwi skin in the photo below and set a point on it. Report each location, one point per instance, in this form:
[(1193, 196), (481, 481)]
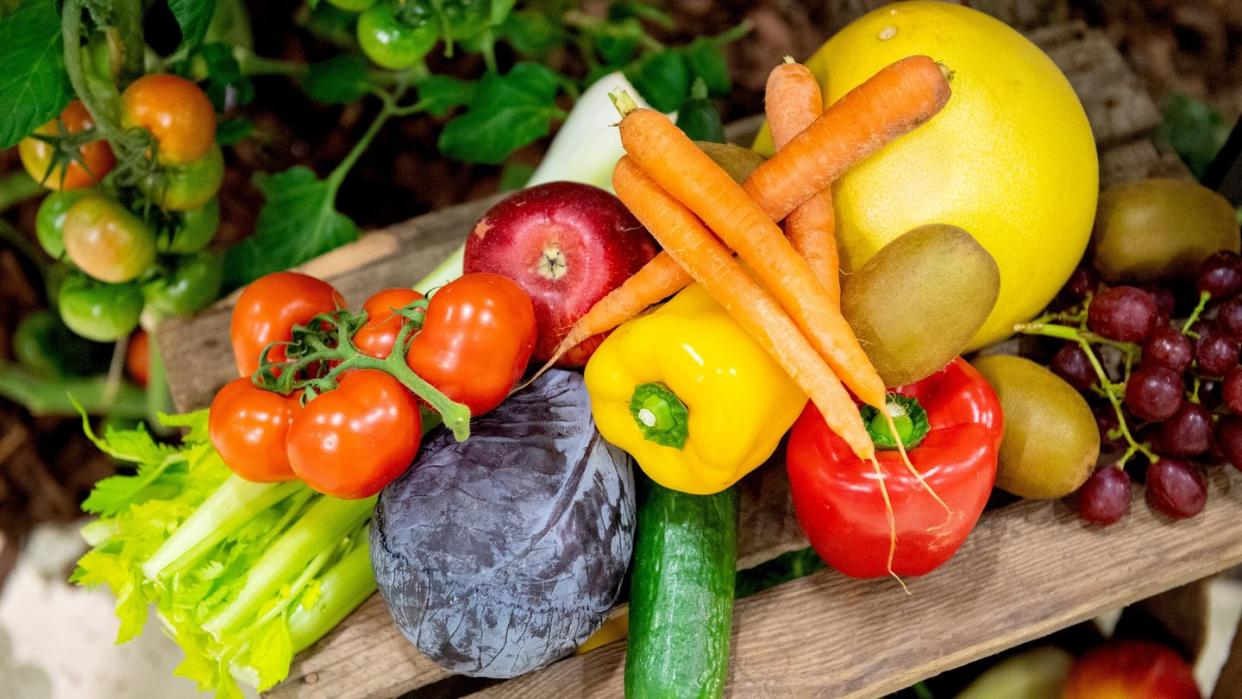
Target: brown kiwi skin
[(918, 302)]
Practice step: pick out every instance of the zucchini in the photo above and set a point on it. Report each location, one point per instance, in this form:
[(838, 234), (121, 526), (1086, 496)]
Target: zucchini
[(681, 593)]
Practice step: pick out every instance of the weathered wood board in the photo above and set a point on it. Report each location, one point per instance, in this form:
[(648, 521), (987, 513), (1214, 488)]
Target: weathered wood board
[(824, 635)]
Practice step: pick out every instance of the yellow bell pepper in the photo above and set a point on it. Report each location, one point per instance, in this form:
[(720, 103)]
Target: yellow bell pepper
[(690, 395)]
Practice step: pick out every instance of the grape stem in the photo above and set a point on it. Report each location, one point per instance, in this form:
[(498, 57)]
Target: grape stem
[(1204, 297), (1112, 390)]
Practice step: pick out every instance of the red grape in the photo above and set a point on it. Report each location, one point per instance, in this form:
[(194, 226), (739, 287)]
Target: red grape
[(1229, 439), (1154, 393), (1105, 497), (1220, 274), (1217, 352), (1210, 393), (1229, 317), (1168, 348), (1232, 391), (1187, 433), (1071, 363), (1083, 281), (1165, 300), (1122, 313), (1176, 488)]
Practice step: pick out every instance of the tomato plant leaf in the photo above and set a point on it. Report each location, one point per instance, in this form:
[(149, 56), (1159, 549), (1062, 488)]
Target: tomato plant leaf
[(439, 94), (298, 221), (532, 33), (506, 112), (706, 60), (231, 131), (663, 79), (339, 80), (34, 87), (193, 16)]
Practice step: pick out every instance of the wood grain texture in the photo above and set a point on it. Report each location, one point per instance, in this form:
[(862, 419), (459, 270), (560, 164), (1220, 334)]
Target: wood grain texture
[(1028, 569), (824, 635)]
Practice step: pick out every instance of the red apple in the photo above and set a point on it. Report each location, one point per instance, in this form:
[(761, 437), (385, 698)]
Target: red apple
[(567, 244), (1131, 670)]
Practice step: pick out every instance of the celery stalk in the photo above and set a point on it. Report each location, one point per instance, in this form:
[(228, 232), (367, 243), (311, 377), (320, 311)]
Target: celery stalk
[(341, 589), (327, 520), (233, 504)]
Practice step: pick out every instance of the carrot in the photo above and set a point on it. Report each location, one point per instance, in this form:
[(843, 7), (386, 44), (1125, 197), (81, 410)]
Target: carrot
[(703, 256), (891, 103), (692, 178), (642, 297), (792, 101), (660, 278)]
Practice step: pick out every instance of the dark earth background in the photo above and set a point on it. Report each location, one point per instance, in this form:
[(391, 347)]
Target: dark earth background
[(1178, 47)]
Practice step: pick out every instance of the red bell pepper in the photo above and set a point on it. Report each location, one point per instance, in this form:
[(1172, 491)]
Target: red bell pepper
[(951, 425)]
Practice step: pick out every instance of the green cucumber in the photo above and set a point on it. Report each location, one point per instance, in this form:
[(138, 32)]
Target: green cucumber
[(681, 594)]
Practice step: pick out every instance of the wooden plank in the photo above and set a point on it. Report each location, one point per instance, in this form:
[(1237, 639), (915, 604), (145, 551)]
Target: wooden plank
[(1027, 570)]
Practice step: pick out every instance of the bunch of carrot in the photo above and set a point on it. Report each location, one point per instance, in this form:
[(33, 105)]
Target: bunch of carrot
[(701, 217)]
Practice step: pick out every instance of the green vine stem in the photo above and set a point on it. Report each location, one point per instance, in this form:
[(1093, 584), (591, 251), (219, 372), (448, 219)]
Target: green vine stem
[(345, 357), (128, 19), (1204, 297), (22, 245), (17, 187), (43, 394), (71, 30), (1111, 390)]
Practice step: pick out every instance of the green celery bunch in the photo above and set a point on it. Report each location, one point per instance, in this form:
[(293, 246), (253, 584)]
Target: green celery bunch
[(243, 575)]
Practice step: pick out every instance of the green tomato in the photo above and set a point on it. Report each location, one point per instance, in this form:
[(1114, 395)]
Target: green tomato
[(192, 283), (50, 221), (466, 19), (107, 241), (56, 274), (99, 311), (42, 342), (392, 43), (189, 186), (352, 5), (197, 228)]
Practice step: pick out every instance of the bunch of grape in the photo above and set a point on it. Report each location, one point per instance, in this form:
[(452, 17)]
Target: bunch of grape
[(1174, 392)]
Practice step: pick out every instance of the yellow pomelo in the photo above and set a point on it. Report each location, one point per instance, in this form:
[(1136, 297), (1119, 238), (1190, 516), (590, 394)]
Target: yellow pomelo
[(1010, 159)]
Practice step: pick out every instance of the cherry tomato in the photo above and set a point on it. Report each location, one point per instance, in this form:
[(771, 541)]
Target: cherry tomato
[(476, 340), (188, 186), (268, 309), (94, 159), (352, 441), (192, 283), (106, 241), (50, 221), (138, 356), (99, 311), (197, 228), (390, 41), (176, 112), (249, 426), (377, 336)]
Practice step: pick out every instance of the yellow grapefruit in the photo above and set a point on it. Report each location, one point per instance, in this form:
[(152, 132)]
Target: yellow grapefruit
[(1010, 159)]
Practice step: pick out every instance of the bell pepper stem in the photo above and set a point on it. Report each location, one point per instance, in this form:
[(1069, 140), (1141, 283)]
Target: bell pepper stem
[(660, 415)]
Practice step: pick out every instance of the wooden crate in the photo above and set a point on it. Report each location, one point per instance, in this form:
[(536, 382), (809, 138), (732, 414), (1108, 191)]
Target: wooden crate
[(1029, 568)]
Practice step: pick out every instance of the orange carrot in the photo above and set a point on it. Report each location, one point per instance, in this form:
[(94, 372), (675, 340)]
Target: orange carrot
[(891, 103), (833, 139), (699, 252), (793, 101), (660, 278), (694, 179)]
